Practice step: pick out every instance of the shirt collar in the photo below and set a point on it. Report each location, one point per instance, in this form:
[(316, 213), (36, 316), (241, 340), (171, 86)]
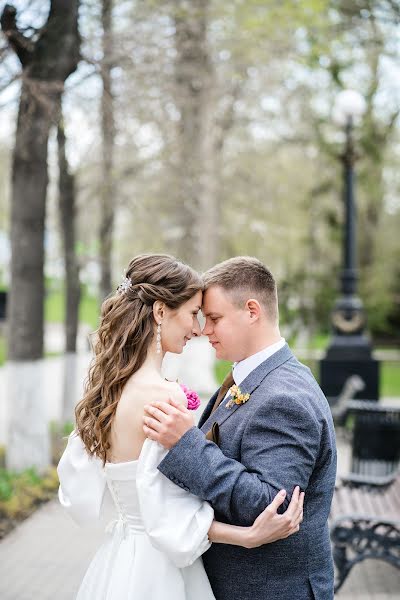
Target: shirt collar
[(243, 368)]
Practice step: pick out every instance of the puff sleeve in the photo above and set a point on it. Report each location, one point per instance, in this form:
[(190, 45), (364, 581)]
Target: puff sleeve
[(176, 521), (82, 483)]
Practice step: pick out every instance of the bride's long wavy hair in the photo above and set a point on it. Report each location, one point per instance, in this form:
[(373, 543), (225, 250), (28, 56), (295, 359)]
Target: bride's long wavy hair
[(127, 327)]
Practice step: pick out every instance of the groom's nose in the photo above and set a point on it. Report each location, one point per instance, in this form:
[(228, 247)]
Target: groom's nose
[(206, 329)]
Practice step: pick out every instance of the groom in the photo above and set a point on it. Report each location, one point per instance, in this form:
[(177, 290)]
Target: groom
[(245, 452)]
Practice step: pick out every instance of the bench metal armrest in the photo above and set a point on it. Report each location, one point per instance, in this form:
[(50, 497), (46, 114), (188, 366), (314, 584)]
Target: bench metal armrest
[(356, 480), (362, 406)]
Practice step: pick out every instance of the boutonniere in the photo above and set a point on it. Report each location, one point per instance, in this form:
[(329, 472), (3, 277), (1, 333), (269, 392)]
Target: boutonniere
[(237, 397)]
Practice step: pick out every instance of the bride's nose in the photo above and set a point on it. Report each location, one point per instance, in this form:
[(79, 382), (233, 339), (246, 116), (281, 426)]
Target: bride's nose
[(196, 331)]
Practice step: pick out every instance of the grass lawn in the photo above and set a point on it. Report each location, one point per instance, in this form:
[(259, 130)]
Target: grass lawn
[(54, 313), (390, 379), (2, 350), (54, 309), (390, 375)]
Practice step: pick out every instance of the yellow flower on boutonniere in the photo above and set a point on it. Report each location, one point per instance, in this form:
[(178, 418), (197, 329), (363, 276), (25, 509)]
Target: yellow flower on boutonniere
[(237, 396)]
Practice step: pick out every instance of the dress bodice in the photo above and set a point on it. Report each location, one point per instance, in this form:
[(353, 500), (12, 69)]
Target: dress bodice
[(121, 483), (156, 531), (143, 501)]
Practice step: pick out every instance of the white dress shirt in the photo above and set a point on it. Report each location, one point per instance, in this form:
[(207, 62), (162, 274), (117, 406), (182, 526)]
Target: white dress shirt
[(243, 368)]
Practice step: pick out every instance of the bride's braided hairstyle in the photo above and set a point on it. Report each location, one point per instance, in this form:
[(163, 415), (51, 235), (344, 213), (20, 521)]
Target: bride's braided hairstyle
[(126, 330)]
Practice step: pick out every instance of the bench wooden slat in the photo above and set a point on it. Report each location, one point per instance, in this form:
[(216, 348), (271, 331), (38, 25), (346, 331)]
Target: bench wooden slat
[(367, 503)]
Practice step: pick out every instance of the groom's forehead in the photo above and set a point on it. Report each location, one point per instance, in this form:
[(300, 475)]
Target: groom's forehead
[(214, 298)]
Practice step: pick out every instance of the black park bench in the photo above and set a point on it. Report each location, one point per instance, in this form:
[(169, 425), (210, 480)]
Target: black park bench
[(365, 514)]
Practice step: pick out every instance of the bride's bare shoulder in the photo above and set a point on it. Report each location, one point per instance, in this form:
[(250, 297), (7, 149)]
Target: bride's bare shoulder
[(176, 392), (142, 392), (163, 390)]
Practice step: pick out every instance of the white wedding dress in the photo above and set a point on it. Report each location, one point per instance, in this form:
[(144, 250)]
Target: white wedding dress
[(157, 532)]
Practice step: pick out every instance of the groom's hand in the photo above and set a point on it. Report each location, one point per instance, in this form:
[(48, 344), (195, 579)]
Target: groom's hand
[(166, 422)]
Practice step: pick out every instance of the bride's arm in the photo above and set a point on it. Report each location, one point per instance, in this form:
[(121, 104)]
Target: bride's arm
[(268, 527)]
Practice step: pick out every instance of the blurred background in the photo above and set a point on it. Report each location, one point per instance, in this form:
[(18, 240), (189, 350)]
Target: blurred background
[(204, 129)]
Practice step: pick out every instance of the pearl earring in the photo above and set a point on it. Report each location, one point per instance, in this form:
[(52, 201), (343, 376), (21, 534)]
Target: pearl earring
[(158, 338)]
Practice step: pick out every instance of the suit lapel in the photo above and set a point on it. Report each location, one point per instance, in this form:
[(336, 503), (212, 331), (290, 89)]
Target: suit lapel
[(249, 385)]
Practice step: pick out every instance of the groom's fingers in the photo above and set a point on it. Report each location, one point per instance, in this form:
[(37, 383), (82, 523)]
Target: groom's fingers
[(149, 433), (177, 404), (151, 423), (155, 413), (161, 407)]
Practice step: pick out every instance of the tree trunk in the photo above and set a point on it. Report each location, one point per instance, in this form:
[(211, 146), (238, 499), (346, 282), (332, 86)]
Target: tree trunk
[(208, 219), (46, 63), (67, 210), (192, 84), (108, 136), (29, 185)]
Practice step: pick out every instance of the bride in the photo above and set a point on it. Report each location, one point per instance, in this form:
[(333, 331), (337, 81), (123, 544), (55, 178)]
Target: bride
[(154, 542)]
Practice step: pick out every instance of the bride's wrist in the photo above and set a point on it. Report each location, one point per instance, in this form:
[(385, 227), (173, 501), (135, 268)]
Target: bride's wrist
[(249, 537)]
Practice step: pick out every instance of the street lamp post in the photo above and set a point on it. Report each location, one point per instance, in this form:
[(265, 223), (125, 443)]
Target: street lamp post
[(349, 351)]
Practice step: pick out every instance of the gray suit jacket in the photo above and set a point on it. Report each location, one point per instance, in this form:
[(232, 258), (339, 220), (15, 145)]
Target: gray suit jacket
[(281, 437)]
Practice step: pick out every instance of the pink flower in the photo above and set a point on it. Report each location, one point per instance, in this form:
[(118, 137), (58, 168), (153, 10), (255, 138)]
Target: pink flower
[(192, 397)]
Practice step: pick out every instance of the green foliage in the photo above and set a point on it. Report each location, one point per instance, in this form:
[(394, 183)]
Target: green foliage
[(62, 429), (59, 433), (6, 488), (222, 368), (12, 482), (21, 492)]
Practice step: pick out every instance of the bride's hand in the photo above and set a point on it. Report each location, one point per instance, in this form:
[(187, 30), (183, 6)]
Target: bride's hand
[(271, 526)]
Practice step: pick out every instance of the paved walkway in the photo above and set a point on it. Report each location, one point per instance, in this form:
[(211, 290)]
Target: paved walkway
[(46, 556)]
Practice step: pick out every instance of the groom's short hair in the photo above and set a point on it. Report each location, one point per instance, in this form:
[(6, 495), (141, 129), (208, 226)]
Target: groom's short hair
[(245, 277)]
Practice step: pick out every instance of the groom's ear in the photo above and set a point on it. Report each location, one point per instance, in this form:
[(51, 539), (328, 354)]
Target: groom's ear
[(254, 309)]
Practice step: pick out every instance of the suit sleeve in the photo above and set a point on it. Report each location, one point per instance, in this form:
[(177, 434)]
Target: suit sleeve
[(279, 449)]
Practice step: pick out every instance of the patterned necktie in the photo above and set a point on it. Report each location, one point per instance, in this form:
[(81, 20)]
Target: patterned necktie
[(227, 383)]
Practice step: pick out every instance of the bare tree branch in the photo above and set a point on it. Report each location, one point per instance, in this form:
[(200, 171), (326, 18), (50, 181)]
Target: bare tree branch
[(22, 45), (6, 84)]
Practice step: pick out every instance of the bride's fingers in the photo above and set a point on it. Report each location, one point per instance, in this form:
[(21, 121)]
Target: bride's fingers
[(301, 506), (299, 511), (293, 505), (277, 501)]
